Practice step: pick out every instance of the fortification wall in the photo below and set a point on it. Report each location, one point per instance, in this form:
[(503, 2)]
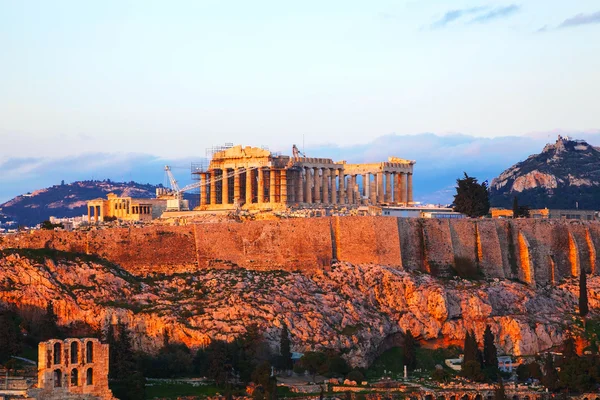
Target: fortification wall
[(534, 251)]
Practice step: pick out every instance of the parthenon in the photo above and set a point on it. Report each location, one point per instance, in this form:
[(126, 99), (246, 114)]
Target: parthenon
[(251, 177)]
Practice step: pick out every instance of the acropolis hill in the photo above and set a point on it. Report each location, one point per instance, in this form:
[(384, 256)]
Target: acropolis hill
[(368, 277)]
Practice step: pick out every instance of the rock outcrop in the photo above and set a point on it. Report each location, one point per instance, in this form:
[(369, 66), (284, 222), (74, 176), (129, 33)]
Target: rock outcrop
[(357, 308), (564, 173)]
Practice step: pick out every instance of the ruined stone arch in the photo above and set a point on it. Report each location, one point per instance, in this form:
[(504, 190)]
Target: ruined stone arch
[(57, 376), (74, 377), (453, 397), (57, 351), (465, 397), (89, 352), (441, 397), (429, 397), (89, 376), (478, 397), (74, 352)]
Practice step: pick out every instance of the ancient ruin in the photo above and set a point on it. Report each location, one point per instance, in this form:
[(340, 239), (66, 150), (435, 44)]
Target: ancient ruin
[(125, 208), (254, 178), (71, 367)]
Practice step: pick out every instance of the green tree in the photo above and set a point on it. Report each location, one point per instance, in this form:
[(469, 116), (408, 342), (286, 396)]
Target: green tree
[(500, 392), (410, 351), (11, 338), (550, 378), (47, 328), (267, 384), (583, 295), (285, 348), (314, 362), (472, 358), (127, 381), (490, 353), (568, 348), (515, 207), (47, 225), (472, 198)]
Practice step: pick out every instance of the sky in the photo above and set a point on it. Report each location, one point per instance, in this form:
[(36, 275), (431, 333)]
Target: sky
[(87, 87)]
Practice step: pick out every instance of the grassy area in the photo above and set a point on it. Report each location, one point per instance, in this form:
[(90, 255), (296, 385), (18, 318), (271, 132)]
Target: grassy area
[(174, 390), (392, 361)]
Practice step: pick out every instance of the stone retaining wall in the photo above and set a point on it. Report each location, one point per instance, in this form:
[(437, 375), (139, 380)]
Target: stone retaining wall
[(534, 251)]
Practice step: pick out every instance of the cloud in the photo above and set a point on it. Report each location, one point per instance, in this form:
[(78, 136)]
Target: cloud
[(453, 15), (500, 12), (581, 19), (481, 14)]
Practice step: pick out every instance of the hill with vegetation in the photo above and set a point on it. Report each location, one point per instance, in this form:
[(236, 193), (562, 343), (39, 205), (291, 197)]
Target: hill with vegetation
[(67, 200), (565, 175)]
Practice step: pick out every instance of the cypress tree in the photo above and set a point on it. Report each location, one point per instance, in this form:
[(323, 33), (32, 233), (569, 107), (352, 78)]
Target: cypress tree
[(583, 296), (490, 353), (515, 207), (11, 339), (285, 347), (500, 392), (410, 352), (550, 377)]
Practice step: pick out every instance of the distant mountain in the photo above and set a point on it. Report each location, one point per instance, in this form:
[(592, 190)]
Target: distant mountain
[(67, 200), (565, 174)]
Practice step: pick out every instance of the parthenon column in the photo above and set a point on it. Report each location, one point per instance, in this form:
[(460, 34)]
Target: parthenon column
[(283, 186), (326, 185), (213, 187), (396, 187), (261, 186), (317, 185), (203, 189), (341, 186), (236, 186), (248, 186), (308, 182), (89, 214), (388, 187), (225, 187), (350, 191), (373, 190), (365, 186), (380, 191), (300, 187), (402, 188), (272, 181), (333, 173), (355, 191), (409, 190)]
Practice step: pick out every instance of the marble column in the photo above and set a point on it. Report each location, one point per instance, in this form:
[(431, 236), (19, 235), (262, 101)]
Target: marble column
[(334, 199), (236, 186), (203, 189), (317, 185), (272, 183), (388, 187), (283, 186), (326, 185), (300, 187), (409, 189), (225, 187), (349, 191), (380, 191), (355, 191), (402, 188), (213, 187), (308, 188), (396, 188), (365, 186), (261, 186), (342, 189), (248, 186)]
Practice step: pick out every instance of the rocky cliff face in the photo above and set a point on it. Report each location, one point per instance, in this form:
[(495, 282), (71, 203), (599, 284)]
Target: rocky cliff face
[(359, 308), (564, 173)]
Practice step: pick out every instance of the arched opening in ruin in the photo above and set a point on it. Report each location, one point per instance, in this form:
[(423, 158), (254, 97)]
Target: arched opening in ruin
[(453, 397), (89, 377), (74, 352), (464, 397), (515, 398), (478, 397), (526, 398), (57, 376), (57, 350), (89, 352), (74, 377), (441, 398), (428, 397)]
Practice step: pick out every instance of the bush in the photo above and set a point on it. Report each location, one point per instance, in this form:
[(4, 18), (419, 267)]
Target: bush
[(355, 375)]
